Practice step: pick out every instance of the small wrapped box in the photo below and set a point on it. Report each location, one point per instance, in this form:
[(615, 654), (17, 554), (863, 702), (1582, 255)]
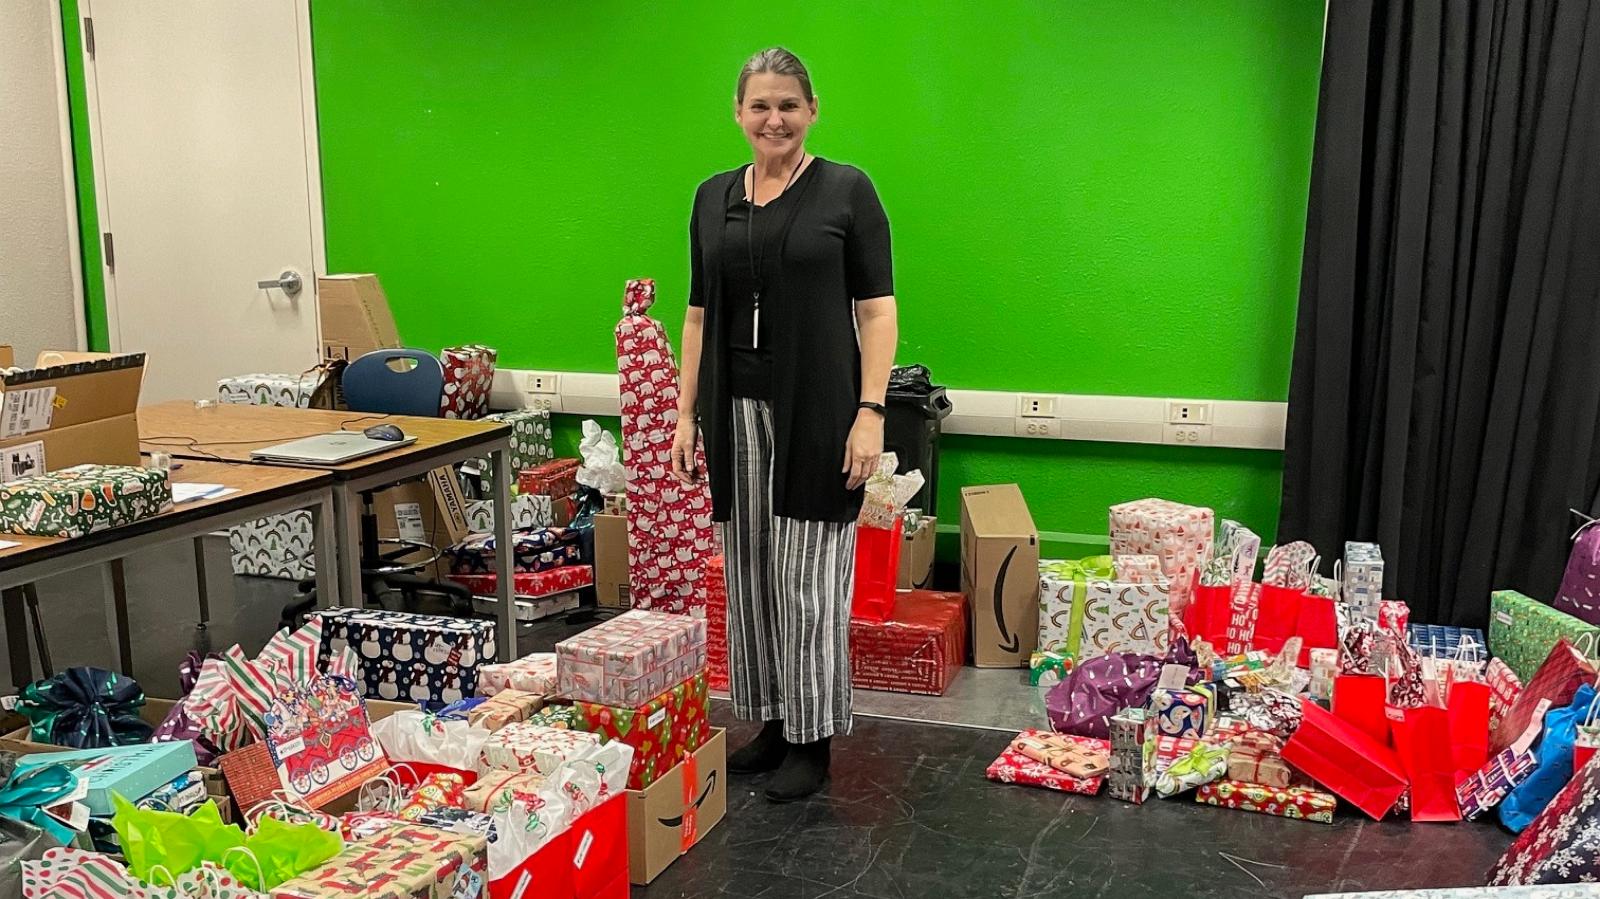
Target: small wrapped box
[(1047, 667), (530, 445), (468, 377), (1181, 536), (1014, 766), (527, 513), (402, 862), (312, 389), (560, 717), (1256, 758), (1393, 615), (1324, 668), (919, 649), (525, 746), (1362, 590), (1304, 803), (405, 656), (278, 546), (1132, 755), (82, 499), (1083, 613), (530, 585), (1183, 713), (496, 788), (531, 551), (557, 479), (535, 673), (503, 708), (662, 732), (631, 658), (1490, 784)]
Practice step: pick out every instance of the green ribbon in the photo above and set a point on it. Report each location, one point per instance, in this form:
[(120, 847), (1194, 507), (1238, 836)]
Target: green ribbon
[(30, 791), (1080, 571)]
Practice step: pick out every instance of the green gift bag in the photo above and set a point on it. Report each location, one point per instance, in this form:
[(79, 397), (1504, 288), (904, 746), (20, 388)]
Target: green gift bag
[(1522, 630)]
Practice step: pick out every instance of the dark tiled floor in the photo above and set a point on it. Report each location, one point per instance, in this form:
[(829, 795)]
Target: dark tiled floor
[(909, 813)]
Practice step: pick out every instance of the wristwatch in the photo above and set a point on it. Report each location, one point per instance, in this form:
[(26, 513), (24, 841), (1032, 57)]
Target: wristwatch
[(876, 407)]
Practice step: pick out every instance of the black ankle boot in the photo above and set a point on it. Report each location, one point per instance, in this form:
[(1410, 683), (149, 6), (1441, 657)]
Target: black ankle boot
[(804, 772), (764, 753)]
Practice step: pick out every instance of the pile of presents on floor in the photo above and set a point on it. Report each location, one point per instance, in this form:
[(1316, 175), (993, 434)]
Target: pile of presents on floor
[(1172, 672), (280, 775)]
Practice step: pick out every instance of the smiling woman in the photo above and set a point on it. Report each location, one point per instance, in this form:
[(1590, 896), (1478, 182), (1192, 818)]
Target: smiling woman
[(787, 345)]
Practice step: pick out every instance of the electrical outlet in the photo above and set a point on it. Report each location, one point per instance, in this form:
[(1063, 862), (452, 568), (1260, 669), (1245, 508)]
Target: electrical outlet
[(1036, 406), (1188, 435), (543, 382), (540, 402), (1039, 427), (1188, 412)]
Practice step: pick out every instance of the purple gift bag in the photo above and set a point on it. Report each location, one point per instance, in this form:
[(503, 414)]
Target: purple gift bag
[(177, 725), (1084, 702), (1579, 595)]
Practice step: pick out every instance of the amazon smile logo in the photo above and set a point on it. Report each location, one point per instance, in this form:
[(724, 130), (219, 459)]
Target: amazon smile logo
[(1009, 641), (676, 821)]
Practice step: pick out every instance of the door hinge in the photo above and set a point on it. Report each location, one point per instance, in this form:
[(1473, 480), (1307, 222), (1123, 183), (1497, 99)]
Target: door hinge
[(110, 250), (88, 34)]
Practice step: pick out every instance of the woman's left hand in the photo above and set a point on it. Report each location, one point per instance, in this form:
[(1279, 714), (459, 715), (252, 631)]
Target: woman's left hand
[(862, 449)]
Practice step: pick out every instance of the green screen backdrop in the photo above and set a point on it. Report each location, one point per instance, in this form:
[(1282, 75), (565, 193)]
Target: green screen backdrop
[(1097, 196)]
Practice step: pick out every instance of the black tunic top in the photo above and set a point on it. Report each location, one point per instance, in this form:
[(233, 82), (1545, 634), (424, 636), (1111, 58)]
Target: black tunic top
[(744, 267), (829, 248)]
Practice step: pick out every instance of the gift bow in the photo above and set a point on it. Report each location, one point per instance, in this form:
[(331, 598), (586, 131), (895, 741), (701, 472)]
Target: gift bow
[(28, 792), (1201, 764), (1080, 571)]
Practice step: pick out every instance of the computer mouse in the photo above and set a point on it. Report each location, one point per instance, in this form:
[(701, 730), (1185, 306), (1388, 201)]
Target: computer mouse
[(384, 432)]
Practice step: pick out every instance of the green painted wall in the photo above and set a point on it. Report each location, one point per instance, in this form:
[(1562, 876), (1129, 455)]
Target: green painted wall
[(94, 285), (1099, 196)]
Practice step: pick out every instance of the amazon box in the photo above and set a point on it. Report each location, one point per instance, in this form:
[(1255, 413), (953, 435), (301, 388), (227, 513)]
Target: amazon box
[(70, 409), (916, 556), (430, 511), (354, 317), (667, 818), (611, 561), (1000, 575)]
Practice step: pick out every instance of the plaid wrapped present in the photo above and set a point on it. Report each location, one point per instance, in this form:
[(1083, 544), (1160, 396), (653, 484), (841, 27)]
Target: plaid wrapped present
[(1181, 536), (1484, 789), (1132, 755), (403, 656), (1522, 630), (401, 862), (629, 659), (468, 378), (662, 732), (82, 499), (1014, 767), (1362, 587), (525, 746), (535, 673), (539, 550), (504, 707), (1302, 803)]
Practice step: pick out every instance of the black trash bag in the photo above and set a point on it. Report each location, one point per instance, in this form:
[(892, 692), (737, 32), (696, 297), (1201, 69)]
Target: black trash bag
[(910, 379)]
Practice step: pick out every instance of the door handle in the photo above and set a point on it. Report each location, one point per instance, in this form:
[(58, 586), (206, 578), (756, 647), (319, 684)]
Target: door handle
[(288, 282)]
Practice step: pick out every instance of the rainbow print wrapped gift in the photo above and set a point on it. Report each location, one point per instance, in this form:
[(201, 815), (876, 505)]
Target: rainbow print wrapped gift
[(83, 499), (630, 659), (1085, 611)]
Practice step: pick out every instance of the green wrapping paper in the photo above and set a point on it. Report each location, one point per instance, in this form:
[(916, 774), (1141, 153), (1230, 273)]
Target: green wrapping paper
[(1523, 630), (76, 501)]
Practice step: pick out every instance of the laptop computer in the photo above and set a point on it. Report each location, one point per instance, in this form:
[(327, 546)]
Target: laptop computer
[(327, 449)]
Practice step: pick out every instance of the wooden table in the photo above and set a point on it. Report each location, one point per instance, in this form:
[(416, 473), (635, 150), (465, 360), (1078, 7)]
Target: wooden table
[(227, 432), (261, 491)]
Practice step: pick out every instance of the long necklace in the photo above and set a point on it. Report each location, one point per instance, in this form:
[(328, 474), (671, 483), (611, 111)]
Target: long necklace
[(758, 264)]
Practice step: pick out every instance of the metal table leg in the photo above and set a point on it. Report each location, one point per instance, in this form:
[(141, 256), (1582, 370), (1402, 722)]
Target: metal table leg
[(30, 596), (347, 536), (117, 615), (324, 527), (201, 587), (506, 627), (17, 637)]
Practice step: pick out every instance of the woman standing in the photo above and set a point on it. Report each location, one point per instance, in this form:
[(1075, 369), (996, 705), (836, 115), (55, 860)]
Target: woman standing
[(787, 346)]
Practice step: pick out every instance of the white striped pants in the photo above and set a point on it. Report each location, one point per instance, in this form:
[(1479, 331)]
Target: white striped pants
[(789, 589)]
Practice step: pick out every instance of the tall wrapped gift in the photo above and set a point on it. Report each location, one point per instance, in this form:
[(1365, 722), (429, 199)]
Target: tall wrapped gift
[(403, 656), (1182, 536), (1522, 630), (918, 649), (1083, 613), (406, 861), (468, 377), (662, 732), (526, 746), (1132, 755), (534, 673), (82, 499), (669, 522), (631, 658), (1302, 803), (1362, 589)]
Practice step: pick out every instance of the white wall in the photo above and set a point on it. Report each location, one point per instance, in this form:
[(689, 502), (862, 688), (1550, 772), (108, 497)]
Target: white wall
[(38, 295)]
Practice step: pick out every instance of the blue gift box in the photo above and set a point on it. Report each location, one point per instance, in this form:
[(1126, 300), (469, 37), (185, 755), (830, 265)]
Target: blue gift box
[(1442, 641), (134, 771), (406, 657)]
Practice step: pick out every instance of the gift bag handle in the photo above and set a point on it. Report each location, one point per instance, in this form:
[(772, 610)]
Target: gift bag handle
[(1578, 644), (261, 875)]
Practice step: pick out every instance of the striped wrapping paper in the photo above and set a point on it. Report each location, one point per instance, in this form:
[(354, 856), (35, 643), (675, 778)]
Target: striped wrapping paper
[(77, 874), (1290, 565)]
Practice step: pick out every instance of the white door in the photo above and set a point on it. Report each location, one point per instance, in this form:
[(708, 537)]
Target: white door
[(203, 124)]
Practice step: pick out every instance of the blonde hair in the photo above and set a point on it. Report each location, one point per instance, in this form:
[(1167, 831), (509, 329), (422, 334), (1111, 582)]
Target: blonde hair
[(776, 61)]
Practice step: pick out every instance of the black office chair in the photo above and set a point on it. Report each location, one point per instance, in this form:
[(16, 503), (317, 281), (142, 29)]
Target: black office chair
[(393, 382)]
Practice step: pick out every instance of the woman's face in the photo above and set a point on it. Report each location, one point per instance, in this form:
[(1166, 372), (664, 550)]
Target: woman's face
[(775, 115)]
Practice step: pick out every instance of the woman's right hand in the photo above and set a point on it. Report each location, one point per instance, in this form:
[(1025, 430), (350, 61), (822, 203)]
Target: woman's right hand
[(683, 447)]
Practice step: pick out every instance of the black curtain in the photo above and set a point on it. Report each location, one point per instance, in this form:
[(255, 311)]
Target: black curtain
[(1445, 393)]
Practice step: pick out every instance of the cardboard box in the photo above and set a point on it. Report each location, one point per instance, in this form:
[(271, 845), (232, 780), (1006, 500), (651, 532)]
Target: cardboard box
[(611, 561), (1000, 575), (916, 556), (431, 510), (667, 819), (70, 409), (7, 358), (354, 317)]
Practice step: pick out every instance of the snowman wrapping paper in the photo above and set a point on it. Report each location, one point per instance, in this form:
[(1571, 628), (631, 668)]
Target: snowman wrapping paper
[(406, 657), (669, 523)]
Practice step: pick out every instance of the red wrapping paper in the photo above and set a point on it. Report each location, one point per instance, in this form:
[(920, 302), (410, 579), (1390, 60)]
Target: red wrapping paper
[(468, 377), (716, 581), (531, 584), (1012, 767), (918, 650), (1304, 803)]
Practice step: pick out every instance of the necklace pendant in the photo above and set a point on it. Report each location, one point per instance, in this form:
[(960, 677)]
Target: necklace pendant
[(755, 330)]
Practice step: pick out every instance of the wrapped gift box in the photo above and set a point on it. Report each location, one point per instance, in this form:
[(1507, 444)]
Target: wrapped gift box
[(525, 746), (1490, 784), (82, 499), (919, 649), (662, 731), (1048, 667), (631, 658), (496, 788), (1256, 758), (1304, 803), (468, 377), (557, 479), (1139, 569), (1181, 536), (132, 771), (535, 673), (530, 445), (1132, 755), (402, 862), (716, 583), (1014, 767), (422, 658), (312, 389), (527, 513), (561, 717), (1393, 615), (1439, 641), (531, 585), (504, 707), (1504, 688), (279, 546), (1362, 589), (1183, 713), (1562, 844), (1522, 630), (531, 551), (1083, 613)]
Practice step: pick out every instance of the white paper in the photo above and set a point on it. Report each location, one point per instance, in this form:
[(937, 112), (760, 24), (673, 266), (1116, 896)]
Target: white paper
[(26, 411), (408, 521), (22, 461), (8, 544), (184, 493)]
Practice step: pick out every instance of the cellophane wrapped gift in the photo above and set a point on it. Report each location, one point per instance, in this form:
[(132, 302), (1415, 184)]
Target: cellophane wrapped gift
[(1504, 687), (1083, 613), (505, 707), (82, 499), (1522, 630), (530, 585), (1201, 763), (629, 659), (1362, 588), (1014, 767), (662, 732), (716, 581), (526, 746), (534, 673), (528, 512), (1132, 755), (669, 523), (1393, 615), (1181, 536), (537, 550), (402, 862), (919, 649), (1324, 668), (404, 656), (468, 378), (1302, 803), (1562, 845)]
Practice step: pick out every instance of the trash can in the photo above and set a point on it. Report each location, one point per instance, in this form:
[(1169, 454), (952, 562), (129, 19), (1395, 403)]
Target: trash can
[(914, 408)]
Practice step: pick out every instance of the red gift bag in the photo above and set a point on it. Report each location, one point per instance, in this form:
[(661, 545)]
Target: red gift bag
[(1342, 757), (1279, 613), (877, 571), (1423, 736), (1468, 707), (1317, 626), (1558, 678), (1360, 700), (1206, 616)]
